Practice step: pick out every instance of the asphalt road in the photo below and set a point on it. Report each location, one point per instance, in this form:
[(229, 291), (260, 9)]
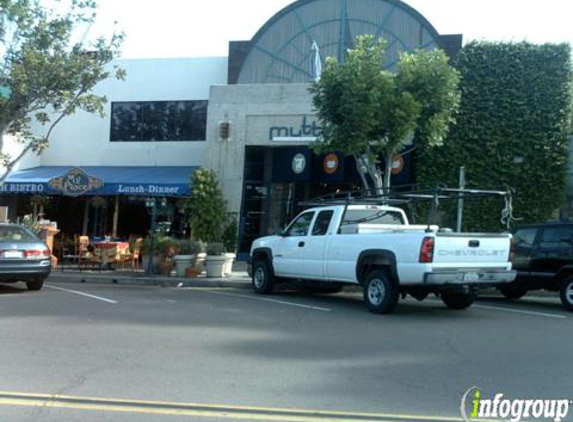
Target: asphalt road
[(136, 353)]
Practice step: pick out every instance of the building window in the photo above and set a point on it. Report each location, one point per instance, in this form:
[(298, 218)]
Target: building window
[(158, 121)]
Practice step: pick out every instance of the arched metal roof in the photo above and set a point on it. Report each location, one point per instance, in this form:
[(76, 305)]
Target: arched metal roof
[(281, 51)]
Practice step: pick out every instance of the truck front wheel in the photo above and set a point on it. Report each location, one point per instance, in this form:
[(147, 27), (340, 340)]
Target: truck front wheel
[(380, 293), (263, 279), (566, 294), (458, 301)]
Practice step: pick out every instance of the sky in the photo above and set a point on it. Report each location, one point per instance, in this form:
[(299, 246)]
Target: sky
[(203, 28)]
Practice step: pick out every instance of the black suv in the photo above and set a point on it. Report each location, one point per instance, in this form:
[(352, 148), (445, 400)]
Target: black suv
[(543, 260)]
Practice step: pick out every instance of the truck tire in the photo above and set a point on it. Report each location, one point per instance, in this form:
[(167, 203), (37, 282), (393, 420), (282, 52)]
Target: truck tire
[(263, 279), (380, 293), (35, 285), (458, 301), (513, 292), (566, 294)]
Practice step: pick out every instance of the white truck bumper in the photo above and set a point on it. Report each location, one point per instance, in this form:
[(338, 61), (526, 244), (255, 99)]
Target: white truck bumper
[(477, 276)]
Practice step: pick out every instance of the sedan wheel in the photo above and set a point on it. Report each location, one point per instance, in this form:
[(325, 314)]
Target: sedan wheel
[(35, 284)]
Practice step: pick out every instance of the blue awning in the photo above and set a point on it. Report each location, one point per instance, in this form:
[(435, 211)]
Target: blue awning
[(93, 180)]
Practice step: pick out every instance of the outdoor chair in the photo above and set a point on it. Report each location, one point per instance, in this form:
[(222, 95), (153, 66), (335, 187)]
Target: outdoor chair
[(132, 257)]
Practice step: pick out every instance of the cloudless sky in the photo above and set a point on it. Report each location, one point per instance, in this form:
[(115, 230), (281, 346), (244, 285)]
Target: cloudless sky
[(198, 28)]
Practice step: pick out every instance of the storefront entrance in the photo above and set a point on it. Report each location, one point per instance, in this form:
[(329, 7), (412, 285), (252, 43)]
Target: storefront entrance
[(278, 179)]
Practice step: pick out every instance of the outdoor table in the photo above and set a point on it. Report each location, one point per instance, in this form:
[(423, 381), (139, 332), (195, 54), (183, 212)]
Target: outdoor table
[(109, 252)]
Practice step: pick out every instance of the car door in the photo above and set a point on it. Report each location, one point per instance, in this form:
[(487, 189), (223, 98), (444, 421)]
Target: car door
[(553, 251), (315, 246), (288, 251)]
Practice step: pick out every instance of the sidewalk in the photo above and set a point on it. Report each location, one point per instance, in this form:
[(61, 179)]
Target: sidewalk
[(238, 279)]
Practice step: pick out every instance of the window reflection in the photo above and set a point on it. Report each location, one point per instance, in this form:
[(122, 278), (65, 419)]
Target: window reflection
[(156, 121)]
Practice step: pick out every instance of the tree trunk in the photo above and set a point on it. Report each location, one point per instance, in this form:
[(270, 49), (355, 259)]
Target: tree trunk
[(362, 170), (388, 170)]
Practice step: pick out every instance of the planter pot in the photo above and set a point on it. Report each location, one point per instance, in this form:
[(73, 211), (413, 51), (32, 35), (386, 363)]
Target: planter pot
[(215, 266), (155, 263), (182, 262), (200, 262), (165, 267), (229, 258)]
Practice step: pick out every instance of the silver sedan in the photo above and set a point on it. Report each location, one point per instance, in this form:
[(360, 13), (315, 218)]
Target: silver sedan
[(23, 257)]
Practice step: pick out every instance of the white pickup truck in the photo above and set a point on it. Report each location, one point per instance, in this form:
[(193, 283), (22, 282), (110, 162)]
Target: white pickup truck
[(374, 246)]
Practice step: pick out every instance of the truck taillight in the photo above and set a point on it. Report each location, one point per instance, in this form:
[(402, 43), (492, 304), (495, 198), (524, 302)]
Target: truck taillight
[(511, 250), (37, 253), (427, 250)]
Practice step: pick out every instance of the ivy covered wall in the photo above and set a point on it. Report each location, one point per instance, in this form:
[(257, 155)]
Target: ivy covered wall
[(511, 130)]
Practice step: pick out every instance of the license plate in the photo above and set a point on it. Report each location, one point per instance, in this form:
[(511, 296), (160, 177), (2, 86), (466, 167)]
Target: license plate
[(471, 277), (13, 254)]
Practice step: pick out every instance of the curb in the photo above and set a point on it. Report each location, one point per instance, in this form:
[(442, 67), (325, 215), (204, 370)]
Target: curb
[(238, 281)]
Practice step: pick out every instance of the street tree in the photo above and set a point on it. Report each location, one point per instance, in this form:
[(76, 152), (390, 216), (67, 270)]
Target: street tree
[(368, 112), (46, 72)]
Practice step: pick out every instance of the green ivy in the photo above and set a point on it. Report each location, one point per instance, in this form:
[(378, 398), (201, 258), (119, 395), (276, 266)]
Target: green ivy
[(511, 131)]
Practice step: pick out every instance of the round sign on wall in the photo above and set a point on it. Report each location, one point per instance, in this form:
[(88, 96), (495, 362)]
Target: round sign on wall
[(397, 164), (330, 163), (298, 164)]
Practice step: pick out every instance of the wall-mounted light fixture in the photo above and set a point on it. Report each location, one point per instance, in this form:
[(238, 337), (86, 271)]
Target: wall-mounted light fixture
[(225, 128)]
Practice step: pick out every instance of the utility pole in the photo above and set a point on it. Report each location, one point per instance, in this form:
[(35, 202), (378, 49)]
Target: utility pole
[(461, 198)]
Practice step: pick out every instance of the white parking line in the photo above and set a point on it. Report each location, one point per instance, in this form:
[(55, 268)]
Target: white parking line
[(519, 311), (103, 299), (264, 299)]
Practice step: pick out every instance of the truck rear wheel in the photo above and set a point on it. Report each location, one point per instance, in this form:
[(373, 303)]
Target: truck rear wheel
[(566, 294), (458, 301), (263, 279), (380, 293)]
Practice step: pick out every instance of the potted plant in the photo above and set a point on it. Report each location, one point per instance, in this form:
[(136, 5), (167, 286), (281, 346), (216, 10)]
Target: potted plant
[(230, 242), (164, 248), (215, 260), (169, 248), (187, 255)]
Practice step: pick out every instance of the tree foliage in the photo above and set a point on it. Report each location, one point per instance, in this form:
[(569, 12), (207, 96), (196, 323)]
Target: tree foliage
[(207, 207), (512, 129), (366, 111), (44, 74)]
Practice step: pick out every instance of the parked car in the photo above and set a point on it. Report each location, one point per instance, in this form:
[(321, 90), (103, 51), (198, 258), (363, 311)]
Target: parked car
[(375, 246), (543, 259), (23, 257)]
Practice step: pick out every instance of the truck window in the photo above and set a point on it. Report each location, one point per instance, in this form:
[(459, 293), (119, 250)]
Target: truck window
[(525, 237), (300, 226), (322, 222), (372, 216)]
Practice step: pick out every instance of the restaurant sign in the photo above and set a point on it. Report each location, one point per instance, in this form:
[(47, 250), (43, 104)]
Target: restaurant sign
[(75, 182)]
